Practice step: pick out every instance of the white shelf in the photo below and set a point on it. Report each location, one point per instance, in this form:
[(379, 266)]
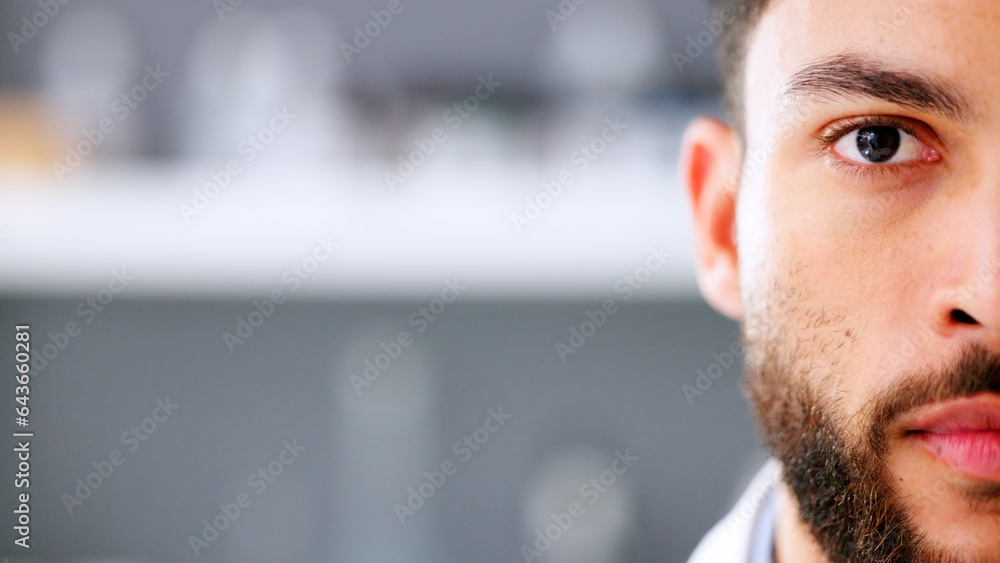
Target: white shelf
[(450, 219)]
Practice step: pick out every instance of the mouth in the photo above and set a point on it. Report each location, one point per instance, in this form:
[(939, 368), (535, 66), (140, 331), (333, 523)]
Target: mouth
[(963, 433)]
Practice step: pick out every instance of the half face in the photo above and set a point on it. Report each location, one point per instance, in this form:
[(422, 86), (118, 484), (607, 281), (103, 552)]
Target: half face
[(868, 236)]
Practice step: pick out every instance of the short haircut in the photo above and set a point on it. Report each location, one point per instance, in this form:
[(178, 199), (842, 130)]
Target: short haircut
[(733, 43)]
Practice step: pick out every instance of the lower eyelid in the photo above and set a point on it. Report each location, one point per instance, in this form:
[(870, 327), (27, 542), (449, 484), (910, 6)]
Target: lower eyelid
[(877, 173)]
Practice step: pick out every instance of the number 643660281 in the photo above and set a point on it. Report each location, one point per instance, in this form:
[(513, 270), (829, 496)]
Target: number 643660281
[(22, 351)]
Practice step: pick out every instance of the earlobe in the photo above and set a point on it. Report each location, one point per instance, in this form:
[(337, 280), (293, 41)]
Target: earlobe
[(709, 172)]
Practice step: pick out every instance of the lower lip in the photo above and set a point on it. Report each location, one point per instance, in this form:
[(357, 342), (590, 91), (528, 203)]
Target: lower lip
[(975, 454)]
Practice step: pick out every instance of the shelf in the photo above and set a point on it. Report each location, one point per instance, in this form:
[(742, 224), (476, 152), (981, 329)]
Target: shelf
[(450, 219)]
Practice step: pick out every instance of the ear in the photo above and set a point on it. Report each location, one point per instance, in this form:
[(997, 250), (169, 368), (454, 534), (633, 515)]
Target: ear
[(709, 171)]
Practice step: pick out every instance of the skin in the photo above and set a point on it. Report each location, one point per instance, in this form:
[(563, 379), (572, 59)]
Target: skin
[(848, 261)]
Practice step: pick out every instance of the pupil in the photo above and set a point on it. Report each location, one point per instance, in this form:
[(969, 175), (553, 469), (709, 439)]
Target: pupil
[(878, 144)]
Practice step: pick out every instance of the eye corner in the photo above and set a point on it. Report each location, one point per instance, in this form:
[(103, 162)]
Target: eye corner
[(931, 155)]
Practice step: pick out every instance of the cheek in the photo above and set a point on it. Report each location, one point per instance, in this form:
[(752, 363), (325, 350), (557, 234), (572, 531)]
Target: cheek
[(863, 264), (815, 279), (759, 255)]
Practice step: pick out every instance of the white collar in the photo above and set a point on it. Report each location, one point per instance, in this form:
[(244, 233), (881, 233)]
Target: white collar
[(732, 539)]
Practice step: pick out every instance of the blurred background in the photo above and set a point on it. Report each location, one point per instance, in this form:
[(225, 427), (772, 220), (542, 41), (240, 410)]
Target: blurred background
[(366, 281)]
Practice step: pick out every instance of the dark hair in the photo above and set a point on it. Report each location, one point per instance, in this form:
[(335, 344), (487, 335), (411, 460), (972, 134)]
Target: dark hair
[(743, 16)]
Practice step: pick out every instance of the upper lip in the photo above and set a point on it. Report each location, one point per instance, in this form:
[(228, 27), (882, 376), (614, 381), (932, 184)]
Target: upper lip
[(978, 413)]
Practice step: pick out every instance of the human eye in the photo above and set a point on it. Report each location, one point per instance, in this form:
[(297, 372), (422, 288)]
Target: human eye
[(879, 141)]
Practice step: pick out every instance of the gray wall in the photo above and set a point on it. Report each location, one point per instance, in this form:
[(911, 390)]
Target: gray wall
[(290, 380)]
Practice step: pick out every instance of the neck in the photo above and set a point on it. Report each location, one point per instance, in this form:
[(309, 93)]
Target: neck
[(793, 543)]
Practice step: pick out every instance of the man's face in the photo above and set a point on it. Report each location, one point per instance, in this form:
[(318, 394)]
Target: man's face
[(868, 236)]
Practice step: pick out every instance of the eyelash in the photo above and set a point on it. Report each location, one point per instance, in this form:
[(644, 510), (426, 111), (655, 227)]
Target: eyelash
[(865, 171)]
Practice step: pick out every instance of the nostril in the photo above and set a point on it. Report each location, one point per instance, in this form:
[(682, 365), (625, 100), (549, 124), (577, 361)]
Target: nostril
[(960, 316)]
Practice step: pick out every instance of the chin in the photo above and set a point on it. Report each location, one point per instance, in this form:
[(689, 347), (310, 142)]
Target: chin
[(956, 513)]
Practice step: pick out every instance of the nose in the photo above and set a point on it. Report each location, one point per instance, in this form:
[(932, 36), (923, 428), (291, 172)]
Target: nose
[(974, 304), (967, 306)]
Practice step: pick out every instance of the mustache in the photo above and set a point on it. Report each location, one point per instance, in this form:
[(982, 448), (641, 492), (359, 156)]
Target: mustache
[(976, 370)]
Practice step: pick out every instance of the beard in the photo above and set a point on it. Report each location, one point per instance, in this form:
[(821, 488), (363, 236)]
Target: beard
[(836, 469)]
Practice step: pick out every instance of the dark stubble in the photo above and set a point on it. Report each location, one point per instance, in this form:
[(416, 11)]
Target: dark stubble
[(841, 484)]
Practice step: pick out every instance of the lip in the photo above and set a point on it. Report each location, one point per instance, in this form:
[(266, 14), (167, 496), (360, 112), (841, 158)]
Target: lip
[(963, 433)]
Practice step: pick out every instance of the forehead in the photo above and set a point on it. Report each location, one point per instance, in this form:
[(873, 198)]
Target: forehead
[(956, 42)]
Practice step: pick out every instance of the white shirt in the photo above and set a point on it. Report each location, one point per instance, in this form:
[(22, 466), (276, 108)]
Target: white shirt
[(746, 534)]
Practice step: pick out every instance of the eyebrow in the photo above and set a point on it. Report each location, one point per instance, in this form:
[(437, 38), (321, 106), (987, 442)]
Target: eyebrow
[(850, 76)]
